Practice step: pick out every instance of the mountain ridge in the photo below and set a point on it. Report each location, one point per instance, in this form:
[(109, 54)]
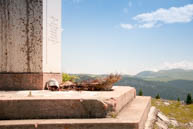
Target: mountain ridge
[(166, 75)]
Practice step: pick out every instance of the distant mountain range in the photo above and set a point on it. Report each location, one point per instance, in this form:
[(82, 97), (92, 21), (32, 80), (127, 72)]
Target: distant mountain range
[(167, 90), (170, 84), (166, 75)]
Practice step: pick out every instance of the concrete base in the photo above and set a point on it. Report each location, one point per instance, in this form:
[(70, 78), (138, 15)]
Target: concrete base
[(133, 116), (26, 81), (64, 104)]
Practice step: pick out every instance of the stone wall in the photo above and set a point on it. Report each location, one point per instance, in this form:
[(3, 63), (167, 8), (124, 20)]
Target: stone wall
[(21, 35), (30, 43), (30, 38)]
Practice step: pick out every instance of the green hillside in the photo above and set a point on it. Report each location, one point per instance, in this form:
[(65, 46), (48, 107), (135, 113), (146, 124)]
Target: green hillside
[(182, 113), (166, 75)]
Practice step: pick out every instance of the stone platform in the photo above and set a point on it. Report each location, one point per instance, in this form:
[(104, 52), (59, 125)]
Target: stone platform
[(117, 109), (63, 104), (133, 116)]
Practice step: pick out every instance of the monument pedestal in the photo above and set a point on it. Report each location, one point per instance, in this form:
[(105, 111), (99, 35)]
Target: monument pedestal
[(117, 109), (26, 81), (30, 43)]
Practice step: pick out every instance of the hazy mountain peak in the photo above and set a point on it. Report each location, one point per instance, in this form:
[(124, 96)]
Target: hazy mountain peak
[(145, 73)]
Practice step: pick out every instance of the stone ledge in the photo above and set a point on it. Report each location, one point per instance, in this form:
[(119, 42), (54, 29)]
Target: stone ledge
[(63, 104), (133, 116)]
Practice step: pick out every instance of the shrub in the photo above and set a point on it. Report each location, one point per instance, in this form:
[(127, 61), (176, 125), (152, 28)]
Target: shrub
[(67, 77), (140, 92), (189, 99), (157, 96)]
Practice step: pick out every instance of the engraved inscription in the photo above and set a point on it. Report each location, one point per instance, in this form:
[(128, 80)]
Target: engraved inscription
[(53, 28)]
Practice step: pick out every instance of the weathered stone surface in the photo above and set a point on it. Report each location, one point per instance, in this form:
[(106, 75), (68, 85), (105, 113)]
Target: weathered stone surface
[(30, 43), (152, 117), (174, 123), (69, 104), (21, 35), (163, 122), (161, 125), (26, 81), (166, 103), (133, 116), (138, 111), (30, 38), (191, 124), (162, 117)]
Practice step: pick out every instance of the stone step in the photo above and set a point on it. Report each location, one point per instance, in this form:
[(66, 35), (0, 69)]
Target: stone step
[(63, 104), (133, 116)]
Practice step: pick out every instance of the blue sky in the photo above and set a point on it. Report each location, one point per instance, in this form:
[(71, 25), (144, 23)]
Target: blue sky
[(126, 36)]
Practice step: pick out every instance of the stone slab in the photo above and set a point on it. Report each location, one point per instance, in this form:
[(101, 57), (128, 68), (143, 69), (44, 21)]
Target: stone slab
[(63, 104), (30, 38), (152, 117), (26, 81), (30, 43), (133, 116)]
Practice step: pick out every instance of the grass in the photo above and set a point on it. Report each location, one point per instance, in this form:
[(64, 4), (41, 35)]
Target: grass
[(182, 113)]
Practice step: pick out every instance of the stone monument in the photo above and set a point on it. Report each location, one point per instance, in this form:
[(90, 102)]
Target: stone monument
[(30, 43), (30, 56)]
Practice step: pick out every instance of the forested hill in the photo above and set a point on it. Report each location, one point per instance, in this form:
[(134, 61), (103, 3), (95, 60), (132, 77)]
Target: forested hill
[(167, 90), (166, 75)]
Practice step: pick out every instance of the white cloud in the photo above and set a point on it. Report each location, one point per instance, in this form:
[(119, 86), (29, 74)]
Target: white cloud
[(146, 25), (126, 26), (175, 65), (165, 16)]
